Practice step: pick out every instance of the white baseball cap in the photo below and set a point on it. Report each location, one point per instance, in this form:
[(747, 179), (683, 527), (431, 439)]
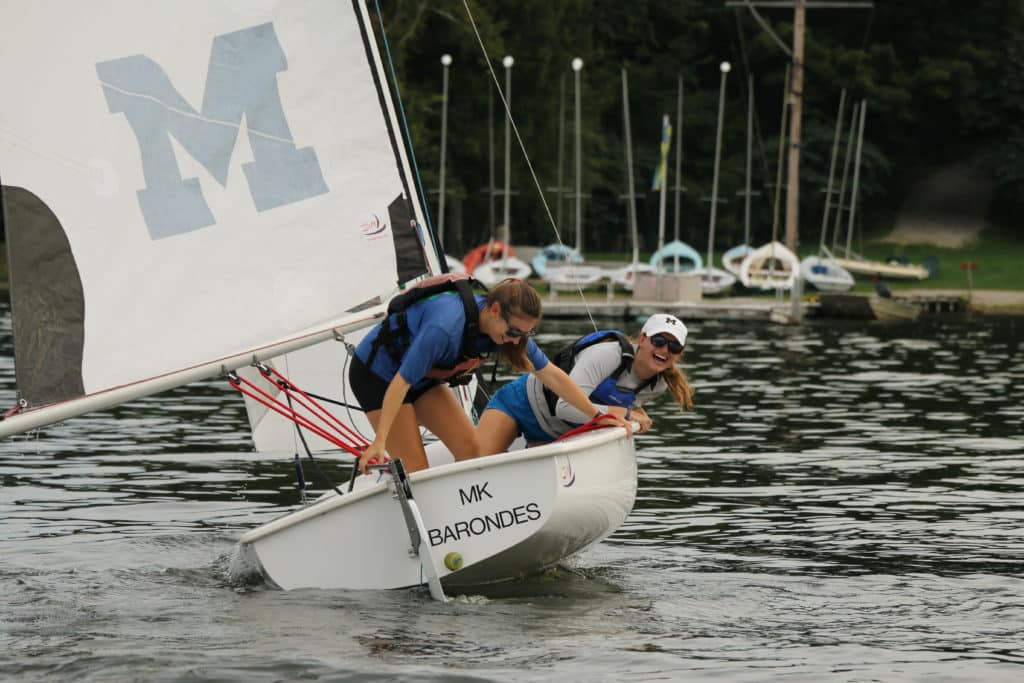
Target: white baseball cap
[(663, 323)]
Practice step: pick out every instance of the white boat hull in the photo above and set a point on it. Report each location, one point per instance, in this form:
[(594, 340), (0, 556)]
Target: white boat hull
[(894, 271), (573, 276), (506, 516), (732, 259), (771, 266), (714, 280), (825, 275), (493, 272), (626, 276)]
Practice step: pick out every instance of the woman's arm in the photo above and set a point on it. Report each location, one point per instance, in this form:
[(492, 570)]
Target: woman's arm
[(555, 379), (393, 398)]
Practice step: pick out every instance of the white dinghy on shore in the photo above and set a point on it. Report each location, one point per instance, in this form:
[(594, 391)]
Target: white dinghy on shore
[(129, 279)]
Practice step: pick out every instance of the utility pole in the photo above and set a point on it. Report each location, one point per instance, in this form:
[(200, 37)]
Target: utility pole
[(796, 89)]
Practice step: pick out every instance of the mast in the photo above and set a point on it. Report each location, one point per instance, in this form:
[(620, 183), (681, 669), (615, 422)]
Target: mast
[(796, 89), (856, 175), (491, 189), (666, 141), (446, 61), (846, 173), (832, 169), (630, 196), (577, 65), (507, 62), (679, 173), (750, 155), (559, 187), (725, 68)]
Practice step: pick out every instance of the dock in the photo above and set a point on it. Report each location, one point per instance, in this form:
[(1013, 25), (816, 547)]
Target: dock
[(762, 309)]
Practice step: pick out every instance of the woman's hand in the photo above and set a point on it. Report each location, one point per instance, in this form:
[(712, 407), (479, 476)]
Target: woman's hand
[(620, 421), (373, 454), (639, 416)]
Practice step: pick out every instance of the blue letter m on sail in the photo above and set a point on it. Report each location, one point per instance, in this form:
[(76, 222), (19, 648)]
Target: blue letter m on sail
[(241, 81)]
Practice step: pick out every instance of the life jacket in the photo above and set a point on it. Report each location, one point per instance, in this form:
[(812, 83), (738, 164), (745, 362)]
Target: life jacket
[(607, 392), (394, 335)]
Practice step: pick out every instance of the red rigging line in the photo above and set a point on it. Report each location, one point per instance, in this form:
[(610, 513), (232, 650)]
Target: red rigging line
[(601, 421), (319, 422)]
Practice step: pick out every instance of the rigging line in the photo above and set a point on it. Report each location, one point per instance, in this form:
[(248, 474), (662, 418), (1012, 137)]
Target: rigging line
[(405, 127), (298, 430), (522, 147)]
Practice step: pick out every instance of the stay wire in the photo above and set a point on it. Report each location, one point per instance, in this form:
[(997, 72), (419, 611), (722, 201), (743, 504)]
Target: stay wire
[(522, 147), (309, 455)]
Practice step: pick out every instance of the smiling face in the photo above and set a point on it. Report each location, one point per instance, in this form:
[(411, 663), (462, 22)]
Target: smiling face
[(655, 354)]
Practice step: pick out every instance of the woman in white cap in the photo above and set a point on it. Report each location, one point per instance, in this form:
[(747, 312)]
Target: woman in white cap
[(617, 374)]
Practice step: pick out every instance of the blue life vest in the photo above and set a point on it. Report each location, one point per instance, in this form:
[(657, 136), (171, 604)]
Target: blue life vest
[(607, 392), (394, 335)]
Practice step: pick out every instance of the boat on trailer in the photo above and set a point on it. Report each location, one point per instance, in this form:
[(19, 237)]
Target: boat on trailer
[(302, 244)]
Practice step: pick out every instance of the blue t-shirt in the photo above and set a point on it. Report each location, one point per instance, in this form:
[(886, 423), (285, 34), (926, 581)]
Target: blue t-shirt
[(435, 328)]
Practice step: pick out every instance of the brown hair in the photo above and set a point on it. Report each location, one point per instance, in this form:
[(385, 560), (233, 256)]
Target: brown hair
[(517, 298)]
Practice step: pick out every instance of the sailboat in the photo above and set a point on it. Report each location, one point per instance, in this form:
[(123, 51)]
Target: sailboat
[(773, 266), (572, 272), (821, 270), (625, 276), (303, 244), (676, 256), (500, 264), (733, 257), (715, 280), (557, 252), (850, 260)]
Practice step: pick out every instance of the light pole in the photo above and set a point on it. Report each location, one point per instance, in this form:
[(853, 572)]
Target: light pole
[(446, 61), (507, 62), (577, 66), (724, 67)]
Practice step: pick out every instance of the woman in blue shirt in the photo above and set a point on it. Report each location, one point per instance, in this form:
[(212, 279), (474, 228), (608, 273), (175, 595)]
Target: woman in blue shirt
[(399, 381)]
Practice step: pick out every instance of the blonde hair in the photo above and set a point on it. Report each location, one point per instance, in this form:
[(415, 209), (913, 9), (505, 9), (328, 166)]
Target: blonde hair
[(517, 298), (679, 387)]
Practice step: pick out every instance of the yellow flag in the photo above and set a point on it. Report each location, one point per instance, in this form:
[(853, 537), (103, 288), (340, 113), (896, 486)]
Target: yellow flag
[(666, 143)]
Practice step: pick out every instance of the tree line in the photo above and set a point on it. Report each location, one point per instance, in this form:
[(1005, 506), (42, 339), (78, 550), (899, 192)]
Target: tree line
[(941, 81)]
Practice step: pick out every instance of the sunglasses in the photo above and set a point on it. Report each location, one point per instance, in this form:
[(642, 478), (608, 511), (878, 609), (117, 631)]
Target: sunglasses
[(512, 330), (673, 346)]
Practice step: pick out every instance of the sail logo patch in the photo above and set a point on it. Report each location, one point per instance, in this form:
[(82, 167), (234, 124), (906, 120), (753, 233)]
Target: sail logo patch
[(374, 228), (241, 82)]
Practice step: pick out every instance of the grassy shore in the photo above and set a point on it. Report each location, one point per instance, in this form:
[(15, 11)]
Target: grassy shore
[(999, 258)]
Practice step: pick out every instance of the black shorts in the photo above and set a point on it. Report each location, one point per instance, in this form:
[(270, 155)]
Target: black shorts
[(370, 388)]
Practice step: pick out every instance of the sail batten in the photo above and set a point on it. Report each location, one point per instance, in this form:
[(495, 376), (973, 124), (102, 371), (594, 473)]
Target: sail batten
[(242, 175)]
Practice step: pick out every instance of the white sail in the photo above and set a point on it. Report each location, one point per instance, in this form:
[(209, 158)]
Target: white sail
[(179, 197)]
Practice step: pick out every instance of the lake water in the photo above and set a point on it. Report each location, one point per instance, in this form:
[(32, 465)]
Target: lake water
[(845, 504)]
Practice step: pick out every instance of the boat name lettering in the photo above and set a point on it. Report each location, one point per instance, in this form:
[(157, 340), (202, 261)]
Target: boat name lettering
[(477, 526), (476, 493), (241, 83)]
